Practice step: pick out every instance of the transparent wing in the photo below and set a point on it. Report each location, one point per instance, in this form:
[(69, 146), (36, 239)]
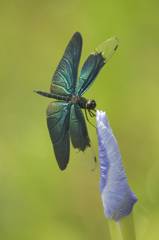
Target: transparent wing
[(58, 114), (78, 129), (108, 48), (65, 77), (94, 63)]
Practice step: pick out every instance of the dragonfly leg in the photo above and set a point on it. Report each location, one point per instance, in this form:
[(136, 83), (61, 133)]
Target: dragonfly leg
[(92, 114), (88, 118)]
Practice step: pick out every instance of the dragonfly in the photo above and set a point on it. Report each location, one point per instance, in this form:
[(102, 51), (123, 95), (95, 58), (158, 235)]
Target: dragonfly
[(65, 118)]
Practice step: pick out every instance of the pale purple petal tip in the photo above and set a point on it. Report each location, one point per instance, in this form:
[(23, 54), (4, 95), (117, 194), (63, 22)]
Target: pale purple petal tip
[(117, 197)]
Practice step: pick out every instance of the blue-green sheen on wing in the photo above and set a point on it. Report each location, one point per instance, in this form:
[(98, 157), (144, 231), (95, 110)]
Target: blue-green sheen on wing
[(58, 115), (65, 76), (78, 128), (89, 71)]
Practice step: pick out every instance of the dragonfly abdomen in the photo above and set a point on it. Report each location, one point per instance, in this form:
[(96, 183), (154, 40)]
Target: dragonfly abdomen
[(53, 95)]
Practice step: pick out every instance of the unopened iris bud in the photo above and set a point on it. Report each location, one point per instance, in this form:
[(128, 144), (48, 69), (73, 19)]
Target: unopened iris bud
[(117, 197)]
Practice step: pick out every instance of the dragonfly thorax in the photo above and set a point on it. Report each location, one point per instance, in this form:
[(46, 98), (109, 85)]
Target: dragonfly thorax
[(75, 99)]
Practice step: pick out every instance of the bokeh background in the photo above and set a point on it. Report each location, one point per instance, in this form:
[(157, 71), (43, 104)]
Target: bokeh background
[(37, 200)]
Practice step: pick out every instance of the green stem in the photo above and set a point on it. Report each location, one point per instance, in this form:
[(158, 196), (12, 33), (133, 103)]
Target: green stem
[(127, 228), (123, 230)]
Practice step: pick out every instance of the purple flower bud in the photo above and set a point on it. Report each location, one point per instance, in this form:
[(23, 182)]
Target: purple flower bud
[(117, 197)]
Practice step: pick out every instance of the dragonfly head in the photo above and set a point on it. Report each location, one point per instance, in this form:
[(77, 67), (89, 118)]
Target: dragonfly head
[(91, 104)]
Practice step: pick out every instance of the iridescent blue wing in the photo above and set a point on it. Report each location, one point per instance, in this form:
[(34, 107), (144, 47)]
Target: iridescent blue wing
[(78, 129), (65, 76), (58, 114), (94, 63), (89, 71)]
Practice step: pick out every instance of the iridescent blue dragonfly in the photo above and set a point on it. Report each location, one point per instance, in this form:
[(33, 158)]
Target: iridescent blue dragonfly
[(65, 119)]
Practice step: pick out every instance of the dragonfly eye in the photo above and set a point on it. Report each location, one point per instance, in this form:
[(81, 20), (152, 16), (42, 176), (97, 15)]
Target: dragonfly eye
[(91, 104)]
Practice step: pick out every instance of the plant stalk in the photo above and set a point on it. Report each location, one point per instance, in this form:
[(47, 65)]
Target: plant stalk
[(127, 228)]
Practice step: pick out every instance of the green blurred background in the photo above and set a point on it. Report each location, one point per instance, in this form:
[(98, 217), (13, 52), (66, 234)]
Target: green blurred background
[(37, 200)]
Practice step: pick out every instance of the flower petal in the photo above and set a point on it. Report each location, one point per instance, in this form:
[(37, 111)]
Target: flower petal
[(117, 197)]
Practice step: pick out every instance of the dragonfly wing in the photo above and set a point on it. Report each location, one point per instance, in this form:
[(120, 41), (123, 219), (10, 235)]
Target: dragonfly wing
[(94, 63), (58, 114), (89, 71), (65, 76), (78, 129)]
